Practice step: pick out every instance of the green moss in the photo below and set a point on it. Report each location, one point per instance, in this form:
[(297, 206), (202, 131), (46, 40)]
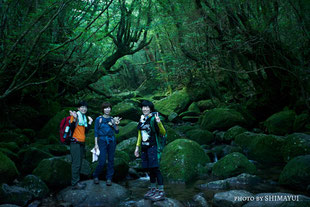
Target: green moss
[(221, 119), (280, 123), (296, 144), (126, 132), (233, 164), (182, 160), (233, 132), (126, 110), (128, 146), (172, 134), (201, 136), (8, 170)]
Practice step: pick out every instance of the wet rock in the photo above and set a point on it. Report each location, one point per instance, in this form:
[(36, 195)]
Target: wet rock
[(243, 181), (199, 198), (233, 164), (280, 123), (297, 172), (94, 195), (296, 144), (8, 170), (218, 184), (182, 160), (14, 195), (278, 200), (168, 202), (9, 205), (35, 185), (221, 119), (233, 198)]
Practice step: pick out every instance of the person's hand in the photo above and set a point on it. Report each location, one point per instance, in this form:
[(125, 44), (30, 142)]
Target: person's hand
[(137, 151), (90, 120), (157, 117), (73, 113), (117, 120)]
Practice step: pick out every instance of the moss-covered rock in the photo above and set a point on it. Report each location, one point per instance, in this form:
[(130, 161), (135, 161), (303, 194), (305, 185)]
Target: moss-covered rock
[(221, 119), (30, 158), (182, 160), (8, 170), (300, 122), (123, 155), (263, 148), (15, 195), (280, 123), (128, 146), (55, 172), (52, 126), (192, 119), (296, 172), (35, 185), (13, 136), (223, 150), (176, 102), (194, 108), (126, 110), (126, 132), (189, 113), (9, 145), (207, 104), (233, 164), (296, 144), (57, 149), (172, 134), (201, 136), (233, 132), (13, 156)]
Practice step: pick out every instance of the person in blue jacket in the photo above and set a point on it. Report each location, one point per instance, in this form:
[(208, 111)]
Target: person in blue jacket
[(105, 129)]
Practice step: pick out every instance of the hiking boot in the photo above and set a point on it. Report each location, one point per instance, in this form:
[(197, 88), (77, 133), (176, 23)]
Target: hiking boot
[(109, 183), (150, 193), (158, 196), (79, 186), (96, 181)]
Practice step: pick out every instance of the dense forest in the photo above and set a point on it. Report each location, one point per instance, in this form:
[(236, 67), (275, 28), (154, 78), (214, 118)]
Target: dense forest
[(233, 76)]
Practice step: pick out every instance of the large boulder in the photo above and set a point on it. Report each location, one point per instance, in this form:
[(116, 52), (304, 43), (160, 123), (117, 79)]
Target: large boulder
[(296, 144), (15, 195), (128, 146), (8, 170), (94, 195), (126, 110), (280, 123), (263, 148), (30, 158), (221, 119), (233, 132), (232, 165), (233, 198), (13, 136), (201, 136), (126, 132), (55, 172), (172, 134), (176, 102), (296, 172), (35, 185), (183, 160)]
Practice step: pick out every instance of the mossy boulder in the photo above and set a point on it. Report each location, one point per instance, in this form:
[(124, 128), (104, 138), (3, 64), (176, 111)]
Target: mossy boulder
[(233, 164), (296, 172), (126, 132), (13, 156), (13, 136), (126, 110), (233, 132), (35, 185), (201, 136), (192, 119), (123, 155), (221, 119), (52, 126), (207, 104), (263, 148), (14, 195), (30, 158), (296, 144), (280, 123), (8, 170), (300, 122), (172, 134), (55, 172), (176, 102), (9, 145), (182, 160), (57, 149), (128, 146), (194, 108)]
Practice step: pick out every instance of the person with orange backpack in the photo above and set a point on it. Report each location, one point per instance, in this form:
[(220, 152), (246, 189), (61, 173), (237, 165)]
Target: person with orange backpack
[(79, 124)]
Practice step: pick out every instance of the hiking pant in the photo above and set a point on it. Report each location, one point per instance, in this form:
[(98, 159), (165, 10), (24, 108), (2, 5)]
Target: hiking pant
[(77, 154), (106, 147), (155, 174)]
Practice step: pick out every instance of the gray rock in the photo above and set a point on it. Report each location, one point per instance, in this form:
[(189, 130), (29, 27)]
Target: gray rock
[(35, 185), (94, 195), (200, 200), (15, 195), (233, 198)]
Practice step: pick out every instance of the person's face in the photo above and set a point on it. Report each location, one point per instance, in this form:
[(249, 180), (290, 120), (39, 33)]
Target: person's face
[(107, 111), (146, 110), (83, 109)]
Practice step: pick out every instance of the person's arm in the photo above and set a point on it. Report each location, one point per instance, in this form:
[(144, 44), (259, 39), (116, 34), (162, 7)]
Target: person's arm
[(138, 144), (161, 127)]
